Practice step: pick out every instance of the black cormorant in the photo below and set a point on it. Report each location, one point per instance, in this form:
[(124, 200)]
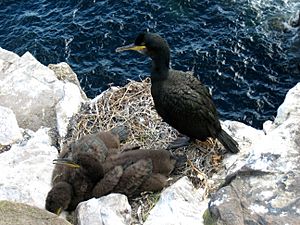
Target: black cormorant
[(179, 98)]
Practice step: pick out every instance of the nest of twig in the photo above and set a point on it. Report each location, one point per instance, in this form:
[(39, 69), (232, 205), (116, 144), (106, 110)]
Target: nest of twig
[(132, 106)]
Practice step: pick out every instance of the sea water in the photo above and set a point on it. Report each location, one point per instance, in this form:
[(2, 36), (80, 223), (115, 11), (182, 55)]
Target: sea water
[(247, 51)]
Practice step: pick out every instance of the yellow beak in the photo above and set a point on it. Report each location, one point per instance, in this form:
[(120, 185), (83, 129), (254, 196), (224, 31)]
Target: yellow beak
[(66, 162), (131, 47), (58, 212)]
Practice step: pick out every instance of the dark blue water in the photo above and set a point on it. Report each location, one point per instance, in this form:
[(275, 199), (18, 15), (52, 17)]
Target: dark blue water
[(245, 50)]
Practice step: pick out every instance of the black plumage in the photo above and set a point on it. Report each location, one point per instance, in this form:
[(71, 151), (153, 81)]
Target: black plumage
[(180, 98)]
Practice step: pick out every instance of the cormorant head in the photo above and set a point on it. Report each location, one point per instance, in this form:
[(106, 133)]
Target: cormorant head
[(86, 162), (59, 197), (152, 45)]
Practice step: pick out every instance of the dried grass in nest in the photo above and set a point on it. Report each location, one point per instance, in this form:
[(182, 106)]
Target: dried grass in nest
[(132, 106)]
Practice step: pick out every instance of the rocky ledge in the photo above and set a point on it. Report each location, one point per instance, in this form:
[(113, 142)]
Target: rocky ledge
[(260, 185)]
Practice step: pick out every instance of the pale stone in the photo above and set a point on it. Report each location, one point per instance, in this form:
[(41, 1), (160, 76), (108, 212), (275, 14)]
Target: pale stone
[(65, 73), (111, 209), (9, 129), (68, 104), (7, 58), (246, 136), (22, 214), (26, 88), (242, 133), (179, 204), (290, 107), (27, 169), (262, 186), (35, 94), (268, 126)]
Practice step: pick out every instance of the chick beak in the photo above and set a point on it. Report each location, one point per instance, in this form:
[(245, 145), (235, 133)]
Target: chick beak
[(133, 47), (66, 162), (58, 211)]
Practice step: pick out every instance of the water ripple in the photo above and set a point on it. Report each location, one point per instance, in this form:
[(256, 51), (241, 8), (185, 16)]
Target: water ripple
[(247, 52)]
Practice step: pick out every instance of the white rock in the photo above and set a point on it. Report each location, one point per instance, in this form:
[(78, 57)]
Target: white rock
[(290, 107), (65, 108), (281, 139), (243, 134), (246, 136), (107, 210), (35, 94), (268, 126), (7, 58), (180, 203), (27, 169), (9, 129), (265, 180), (26, 88)]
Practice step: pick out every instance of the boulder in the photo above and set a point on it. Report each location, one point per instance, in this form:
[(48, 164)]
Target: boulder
[(263, 185), (73, 95), (9, 129), (12, 213), (180, 203), (34, 93), (290, 108), (27, 169), (64, 73), (111, 209)]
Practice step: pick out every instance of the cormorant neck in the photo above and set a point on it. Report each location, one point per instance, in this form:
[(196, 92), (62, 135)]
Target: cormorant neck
[(160, 68)]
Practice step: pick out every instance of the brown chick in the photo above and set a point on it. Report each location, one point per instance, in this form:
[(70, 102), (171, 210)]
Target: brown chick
[(75, 182), (99, 144), (162, 160), (137, 171), (80, 167), (59, 197), (133, 177)]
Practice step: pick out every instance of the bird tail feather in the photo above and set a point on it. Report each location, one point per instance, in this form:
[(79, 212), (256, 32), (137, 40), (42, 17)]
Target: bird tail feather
[(228, 142)]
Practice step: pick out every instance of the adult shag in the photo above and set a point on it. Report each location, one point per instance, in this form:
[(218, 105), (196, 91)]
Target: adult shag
[(179, 98)]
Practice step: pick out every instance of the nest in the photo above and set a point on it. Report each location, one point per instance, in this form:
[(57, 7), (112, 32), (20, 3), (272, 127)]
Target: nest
[(132, 106)]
